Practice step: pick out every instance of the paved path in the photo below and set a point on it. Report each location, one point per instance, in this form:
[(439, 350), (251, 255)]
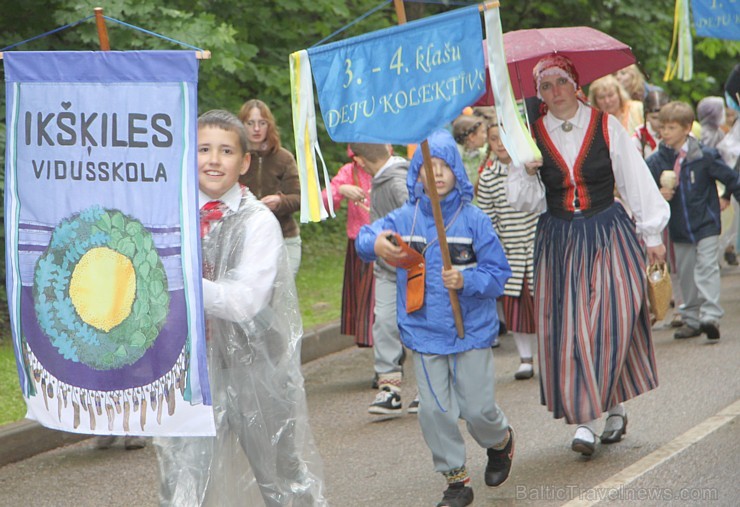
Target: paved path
[(682, 448)]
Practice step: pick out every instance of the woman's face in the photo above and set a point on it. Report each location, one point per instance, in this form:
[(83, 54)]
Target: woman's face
[(256, 127), (608, 100), (477, 139), (625, 78)]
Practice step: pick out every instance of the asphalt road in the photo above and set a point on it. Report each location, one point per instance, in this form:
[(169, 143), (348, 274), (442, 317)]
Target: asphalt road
[(682, 446)]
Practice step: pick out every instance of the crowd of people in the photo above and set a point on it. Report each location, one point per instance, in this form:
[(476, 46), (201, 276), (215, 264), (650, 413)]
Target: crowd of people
[(556, 248)]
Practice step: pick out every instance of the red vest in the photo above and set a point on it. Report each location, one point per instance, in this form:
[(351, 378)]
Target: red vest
[(593, 190)]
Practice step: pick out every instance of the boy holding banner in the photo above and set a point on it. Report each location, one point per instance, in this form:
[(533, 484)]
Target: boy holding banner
[(455, 375), (253, 333)]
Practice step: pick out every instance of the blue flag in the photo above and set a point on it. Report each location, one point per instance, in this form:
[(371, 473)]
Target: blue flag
[(102, 246), (399, 84), (717, 19)]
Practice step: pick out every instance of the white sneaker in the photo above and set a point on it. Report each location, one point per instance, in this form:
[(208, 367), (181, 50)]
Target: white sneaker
[(525, 371), (386, 401)]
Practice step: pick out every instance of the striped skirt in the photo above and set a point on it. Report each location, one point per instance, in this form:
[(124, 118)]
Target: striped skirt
[(593, 325), (358, 298), (519, 310)]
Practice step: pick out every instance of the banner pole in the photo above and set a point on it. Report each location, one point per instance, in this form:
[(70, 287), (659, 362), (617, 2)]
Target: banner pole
[(102, 29), (436, 208)]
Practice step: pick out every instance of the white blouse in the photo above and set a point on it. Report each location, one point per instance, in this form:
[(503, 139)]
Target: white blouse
[(633, 178)]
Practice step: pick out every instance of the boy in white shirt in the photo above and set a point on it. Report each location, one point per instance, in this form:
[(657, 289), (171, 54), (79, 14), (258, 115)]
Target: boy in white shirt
[(253, 332)]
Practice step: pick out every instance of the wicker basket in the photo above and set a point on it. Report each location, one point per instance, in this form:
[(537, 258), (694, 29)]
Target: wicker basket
[(660, 290)]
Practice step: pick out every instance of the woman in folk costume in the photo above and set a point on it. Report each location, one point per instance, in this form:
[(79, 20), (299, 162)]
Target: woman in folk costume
[(353, 183), (516, 231), (590, 289)]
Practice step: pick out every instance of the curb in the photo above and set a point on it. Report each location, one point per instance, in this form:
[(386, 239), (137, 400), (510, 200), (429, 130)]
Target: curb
[(24, 439)]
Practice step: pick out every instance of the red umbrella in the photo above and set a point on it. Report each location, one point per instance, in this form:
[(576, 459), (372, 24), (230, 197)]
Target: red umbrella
[(594, 53)]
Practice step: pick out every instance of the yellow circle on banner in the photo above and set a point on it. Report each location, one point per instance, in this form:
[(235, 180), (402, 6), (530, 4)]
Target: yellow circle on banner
[(103, 287)]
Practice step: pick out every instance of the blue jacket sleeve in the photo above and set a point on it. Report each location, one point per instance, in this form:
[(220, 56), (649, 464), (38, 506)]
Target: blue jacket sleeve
[(365, 241), (488, 278)]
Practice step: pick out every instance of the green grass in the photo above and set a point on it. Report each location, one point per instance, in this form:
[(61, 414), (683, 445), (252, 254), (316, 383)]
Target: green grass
[(319, 284), (319, 280), (12, 406)]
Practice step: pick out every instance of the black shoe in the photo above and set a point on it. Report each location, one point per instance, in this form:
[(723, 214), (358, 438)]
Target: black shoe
[(499, 463), (105, 441), (731, 257), (585, 447), (457, 495), (711, 329), (414, 406), (132, 443), (612, 436), (686, 331)]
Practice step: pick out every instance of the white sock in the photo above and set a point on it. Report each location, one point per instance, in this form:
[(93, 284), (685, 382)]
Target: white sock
[(586, 431), (524, 343)]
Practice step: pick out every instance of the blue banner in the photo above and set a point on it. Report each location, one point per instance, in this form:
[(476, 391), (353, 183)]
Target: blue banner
[(717, 18), (399, 84), (102, 248)]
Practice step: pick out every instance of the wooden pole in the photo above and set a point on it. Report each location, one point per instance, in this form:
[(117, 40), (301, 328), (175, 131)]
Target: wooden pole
[(102, 29), (431, 190)]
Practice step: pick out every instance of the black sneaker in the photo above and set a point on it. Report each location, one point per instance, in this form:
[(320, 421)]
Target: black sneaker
[(457, 494), (711, 329), (414, 406), (386, 402), (499, 463)]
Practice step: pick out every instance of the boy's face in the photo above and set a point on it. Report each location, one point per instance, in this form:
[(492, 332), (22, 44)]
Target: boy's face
[(497, 145), (674, 134), (220, 161), (444, 178)]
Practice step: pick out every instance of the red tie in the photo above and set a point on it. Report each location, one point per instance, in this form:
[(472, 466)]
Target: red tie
[(677, 164), (209, 213)]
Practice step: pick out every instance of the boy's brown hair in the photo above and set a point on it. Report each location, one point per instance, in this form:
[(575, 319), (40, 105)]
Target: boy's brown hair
[(371, 152), (677, 112), (225, 121)]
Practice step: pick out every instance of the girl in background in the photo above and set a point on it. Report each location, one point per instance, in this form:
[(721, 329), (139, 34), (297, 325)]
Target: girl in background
[(516, 231)]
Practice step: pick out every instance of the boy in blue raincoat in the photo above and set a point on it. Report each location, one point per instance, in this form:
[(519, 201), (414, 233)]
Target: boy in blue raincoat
[(455, 375)]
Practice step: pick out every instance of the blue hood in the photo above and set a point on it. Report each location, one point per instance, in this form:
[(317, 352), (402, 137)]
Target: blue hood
[(441, 145)]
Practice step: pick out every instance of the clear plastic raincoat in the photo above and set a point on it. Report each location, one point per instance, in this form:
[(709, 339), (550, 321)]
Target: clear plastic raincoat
[(263, 450)]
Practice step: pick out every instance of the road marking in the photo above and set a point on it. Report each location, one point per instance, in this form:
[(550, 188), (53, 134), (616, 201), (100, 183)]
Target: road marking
[(657, 457)]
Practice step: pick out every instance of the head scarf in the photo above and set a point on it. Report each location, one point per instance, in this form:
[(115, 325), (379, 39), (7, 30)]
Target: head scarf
[(559, 65), (710, 111), (554, 64)]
